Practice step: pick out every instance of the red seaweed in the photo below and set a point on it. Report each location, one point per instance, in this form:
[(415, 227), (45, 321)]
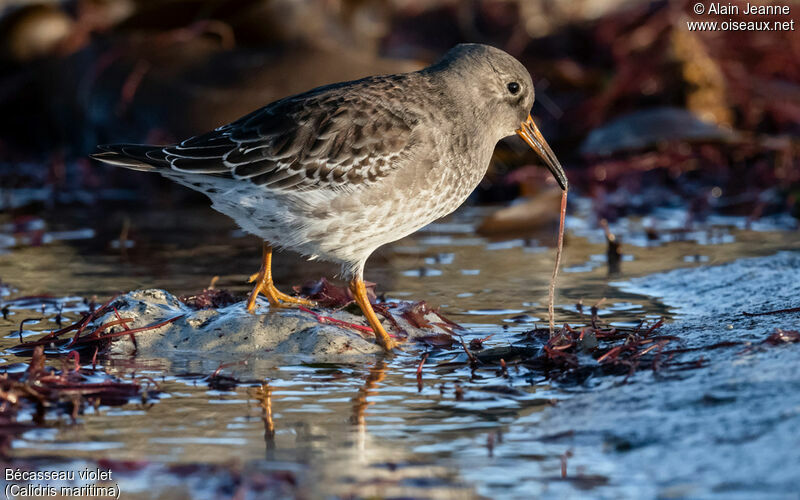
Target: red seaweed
[(329, 295), (477, 343), (419, 371), (68, 389), (778, 311), (783, 337), (96, 338), (327, 319), (209, 298)]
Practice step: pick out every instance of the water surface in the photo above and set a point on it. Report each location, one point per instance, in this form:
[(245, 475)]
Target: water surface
[(368, 429)]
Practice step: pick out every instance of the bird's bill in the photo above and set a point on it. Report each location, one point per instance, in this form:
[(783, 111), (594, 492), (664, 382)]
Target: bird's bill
[(530, 134)]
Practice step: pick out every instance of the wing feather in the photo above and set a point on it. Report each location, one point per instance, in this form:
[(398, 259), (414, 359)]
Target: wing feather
[(344, 134)]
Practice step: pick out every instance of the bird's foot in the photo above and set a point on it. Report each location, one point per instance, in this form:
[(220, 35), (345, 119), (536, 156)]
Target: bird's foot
[(359, 291), (276, 298), (383, 339)]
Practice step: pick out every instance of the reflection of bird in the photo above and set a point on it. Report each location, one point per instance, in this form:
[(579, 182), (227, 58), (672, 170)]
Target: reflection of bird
[(338, 171)]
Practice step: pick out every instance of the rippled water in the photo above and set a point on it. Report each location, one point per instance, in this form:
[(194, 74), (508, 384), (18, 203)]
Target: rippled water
[(358, 430)]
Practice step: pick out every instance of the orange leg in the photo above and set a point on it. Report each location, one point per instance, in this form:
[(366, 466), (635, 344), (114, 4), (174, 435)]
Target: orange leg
[(263, 279), (360, 403), (360, 294)]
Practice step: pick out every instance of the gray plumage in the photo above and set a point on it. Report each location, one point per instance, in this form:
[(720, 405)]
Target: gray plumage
[(340, 170)]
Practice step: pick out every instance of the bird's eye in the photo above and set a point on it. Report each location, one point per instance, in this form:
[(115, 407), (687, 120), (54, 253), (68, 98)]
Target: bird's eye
[(513, 87)]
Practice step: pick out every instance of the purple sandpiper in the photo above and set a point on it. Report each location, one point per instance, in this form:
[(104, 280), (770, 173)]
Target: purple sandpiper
[(338, 171)]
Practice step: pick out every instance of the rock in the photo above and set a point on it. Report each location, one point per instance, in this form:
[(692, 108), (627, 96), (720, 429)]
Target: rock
[(525, 215), (649, 128), (720, 294), (232, 330), (509, 354), (745, 402)]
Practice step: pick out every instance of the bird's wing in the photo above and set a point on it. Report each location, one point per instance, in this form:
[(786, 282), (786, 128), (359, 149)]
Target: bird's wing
[(327, 139)]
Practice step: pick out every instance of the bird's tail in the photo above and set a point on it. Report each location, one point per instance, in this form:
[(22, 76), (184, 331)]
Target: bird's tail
[(133, 156)]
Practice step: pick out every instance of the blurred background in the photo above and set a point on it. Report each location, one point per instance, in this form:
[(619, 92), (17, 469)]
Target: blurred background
[(641, 111), (681, 148)]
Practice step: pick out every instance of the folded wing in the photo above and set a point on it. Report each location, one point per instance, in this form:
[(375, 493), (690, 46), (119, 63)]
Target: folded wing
[(331, 138)]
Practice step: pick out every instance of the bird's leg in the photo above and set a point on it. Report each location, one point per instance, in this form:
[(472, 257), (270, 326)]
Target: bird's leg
[(360, 295), (264, 284)]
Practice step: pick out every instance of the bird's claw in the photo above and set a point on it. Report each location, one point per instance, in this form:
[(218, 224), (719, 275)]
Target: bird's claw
[(275, 297)]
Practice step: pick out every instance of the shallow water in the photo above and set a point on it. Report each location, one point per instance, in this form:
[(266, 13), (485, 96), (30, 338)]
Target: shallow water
[(369, 430)]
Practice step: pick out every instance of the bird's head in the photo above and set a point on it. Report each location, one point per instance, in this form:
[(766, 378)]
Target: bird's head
[(501, 90)]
